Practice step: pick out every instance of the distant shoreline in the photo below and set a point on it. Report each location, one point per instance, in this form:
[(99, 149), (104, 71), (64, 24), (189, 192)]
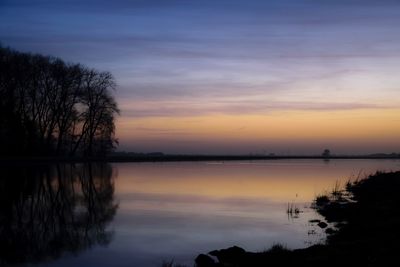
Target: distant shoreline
[(184, 158)]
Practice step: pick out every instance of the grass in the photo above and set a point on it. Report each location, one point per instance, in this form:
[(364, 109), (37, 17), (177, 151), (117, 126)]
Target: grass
[(337, 191), (171, 264), (292, 210), (277, 248)]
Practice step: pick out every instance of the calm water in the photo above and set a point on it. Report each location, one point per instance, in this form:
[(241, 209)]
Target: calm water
[(139, 214)]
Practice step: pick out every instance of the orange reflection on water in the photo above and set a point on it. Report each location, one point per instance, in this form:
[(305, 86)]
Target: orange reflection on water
[(277, 181)]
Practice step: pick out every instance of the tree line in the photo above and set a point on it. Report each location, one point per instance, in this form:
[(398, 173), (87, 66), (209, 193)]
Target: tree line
[(52, 108)]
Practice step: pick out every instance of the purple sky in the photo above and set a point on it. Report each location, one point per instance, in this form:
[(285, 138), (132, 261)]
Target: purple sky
[(192, 60)]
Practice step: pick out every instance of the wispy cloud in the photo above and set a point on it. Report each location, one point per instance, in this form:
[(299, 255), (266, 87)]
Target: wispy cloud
[(187, 109)]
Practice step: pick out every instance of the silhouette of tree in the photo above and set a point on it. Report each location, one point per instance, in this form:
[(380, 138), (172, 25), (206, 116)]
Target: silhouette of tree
[(96, 126), (49, 107), (326, 153)]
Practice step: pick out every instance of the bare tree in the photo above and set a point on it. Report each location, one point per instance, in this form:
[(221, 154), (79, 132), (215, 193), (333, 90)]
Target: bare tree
[(49, 107)]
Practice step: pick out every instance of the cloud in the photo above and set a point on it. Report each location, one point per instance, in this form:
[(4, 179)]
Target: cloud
[(179, 57), (187, 109)]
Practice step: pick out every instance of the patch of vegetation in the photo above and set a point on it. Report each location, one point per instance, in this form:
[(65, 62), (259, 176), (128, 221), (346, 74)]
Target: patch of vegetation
[(293, 211), (277, 248), (171, 264), (321, 200)]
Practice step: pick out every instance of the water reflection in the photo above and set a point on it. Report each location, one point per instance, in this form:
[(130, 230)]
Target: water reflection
[(48, 211), (165, 210)]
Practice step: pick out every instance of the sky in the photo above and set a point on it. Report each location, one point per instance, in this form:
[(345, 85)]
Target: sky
[(232, 76)]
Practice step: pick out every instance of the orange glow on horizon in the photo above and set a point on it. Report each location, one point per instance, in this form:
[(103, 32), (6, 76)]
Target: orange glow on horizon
[(306, 126)]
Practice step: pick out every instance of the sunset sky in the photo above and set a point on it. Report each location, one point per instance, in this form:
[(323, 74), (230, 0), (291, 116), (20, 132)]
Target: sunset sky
[(232, 76)]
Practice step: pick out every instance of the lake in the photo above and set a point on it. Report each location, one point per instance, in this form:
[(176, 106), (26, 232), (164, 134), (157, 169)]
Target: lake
[(141, 214)]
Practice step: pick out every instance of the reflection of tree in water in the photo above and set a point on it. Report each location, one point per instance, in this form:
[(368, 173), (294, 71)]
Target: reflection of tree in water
[(46, 211)]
